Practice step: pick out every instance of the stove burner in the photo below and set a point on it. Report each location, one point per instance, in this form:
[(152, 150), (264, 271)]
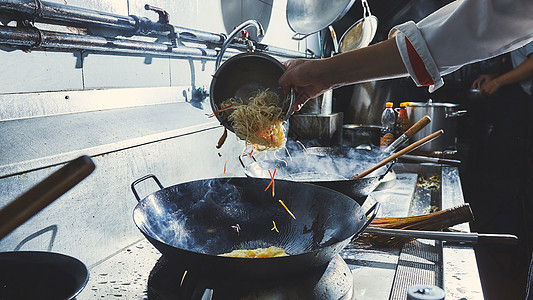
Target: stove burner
[(167, 281)]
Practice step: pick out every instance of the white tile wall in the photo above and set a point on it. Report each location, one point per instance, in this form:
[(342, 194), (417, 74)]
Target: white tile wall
[(40, 71)]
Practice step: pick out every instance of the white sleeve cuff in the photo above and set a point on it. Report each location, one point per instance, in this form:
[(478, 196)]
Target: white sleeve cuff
[(410, 31)]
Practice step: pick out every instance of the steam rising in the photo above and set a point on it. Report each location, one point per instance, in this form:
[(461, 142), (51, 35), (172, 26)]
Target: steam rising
[(316, 164), (208, 204)]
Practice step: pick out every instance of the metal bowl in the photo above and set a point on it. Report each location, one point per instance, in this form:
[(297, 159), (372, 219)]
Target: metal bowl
[(244, 73), (354, 135), (359, 35)]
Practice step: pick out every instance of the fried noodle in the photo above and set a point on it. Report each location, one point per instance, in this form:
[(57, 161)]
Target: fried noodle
[(257, 119)]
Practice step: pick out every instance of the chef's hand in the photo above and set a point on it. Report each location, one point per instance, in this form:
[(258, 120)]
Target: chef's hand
[(482, 79), (304, 75), (490, 87)]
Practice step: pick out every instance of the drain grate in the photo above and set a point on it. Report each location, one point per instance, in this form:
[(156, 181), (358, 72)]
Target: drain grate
[(420, 262)]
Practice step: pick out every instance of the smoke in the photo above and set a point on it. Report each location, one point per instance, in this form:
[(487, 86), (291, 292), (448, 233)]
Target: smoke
[(298, 163), (197, 216)]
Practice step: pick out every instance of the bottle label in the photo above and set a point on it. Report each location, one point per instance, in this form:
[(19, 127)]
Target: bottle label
[(386, 140)]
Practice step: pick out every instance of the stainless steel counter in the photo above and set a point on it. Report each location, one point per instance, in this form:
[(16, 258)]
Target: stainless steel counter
[(378, 272)]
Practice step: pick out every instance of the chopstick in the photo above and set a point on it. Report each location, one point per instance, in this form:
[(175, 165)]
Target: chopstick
[(407, 149)]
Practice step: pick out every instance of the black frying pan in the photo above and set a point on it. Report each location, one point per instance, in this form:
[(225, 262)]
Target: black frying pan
[(191, 223)]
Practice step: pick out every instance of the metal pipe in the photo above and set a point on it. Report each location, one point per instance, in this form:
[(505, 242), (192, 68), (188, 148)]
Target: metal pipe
[(55, 13), (129, 25), (60, 14), (33, 38)]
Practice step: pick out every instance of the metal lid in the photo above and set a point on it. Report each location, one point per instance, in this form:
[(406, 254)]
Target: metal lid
[(361, 126), (432, 104)]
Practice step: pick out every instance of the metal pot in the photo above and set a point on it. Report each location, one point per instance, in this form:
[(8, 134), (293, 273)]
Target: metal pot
[(244, 73), (443, 116)]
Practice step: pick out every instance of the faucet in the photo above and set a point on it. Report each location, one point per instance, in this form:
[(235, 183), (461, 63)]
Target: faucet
[(231, 36), (164, 18)]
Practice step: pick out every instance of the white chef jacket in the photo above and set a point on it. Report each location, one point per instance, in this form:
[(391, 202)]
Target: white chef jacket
[(462, 32)]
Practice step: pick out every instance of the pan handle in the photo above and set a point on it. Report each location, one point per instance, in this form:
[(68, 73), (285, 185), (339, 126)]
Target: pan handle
[(388, 170), (242, 162), (371, 213), (143, 179)]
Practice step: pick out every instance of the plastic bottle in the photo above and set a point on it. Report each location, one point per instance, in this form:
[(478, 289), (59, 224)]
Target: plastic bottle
[(402, 121), (388, 120)]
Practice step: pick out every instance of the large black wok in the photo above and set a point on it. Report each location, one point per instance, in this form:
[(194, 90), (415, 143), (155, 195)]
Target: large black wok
[(193, 222), (331, 167), (41, 275)]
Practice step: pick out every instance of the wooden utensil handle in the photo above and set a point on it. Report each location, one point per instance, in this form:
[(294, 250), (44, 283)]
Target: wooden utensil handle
[(400, 153), (39, 196), (417, 126)]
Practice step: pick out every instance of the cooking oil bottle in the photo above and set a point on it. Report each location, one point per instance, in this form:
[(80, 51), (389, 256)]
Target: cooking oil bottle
[(402, 121), (388, 120)]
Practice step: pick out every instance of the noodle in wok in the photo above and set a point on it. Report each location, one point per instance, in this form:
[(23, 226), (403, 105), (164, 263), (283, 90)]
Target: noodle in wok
[(258, 119)]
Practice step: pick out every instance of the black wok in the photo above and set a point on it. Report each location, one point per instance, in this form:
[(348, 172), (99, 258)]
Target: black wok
[(336, 166), (193, 222), (38, 274), (41, 275)]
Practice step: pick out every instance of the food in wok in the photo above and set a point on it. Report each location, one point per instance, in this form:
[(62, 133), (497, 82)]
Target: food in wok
[(271, 251)]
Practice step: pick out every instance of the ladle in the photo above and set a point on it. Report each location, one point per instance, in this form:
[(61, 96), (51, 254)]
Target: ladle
[(400, 153), (409, 133)]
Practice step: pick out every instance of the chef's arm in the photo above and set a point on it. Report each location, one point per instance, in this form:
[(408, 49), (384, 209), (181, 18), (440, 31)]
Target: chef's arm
[(312, 77), (460, 33), (378, 61), (521, 72)]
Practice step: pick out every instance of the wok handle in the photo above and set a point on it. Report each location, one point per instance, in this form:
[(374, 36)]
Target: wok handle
[(242, 161), (493, 238), (388, 170), (45, 192), (133, 184), (370, 215)]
